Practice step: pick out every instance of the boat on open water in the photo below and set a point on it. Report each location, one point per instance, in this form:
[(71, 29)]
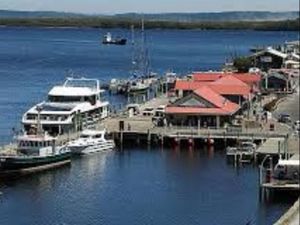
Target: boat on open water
[(109, 40)]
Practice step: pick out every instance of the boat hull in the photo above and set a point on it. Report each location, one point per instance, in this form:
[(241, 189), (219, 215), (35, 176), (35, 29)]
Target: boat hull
[(103, 147), (16, 165), (115, 42)]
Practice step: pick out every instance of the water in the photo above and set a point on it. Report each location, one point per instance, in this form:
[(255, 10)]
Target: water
[(140, 187), (136, 186)]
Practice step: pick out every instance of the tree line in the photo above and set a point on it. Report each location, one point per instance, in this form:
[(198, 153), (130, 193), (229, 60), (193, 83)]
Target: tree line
[(97, 22)]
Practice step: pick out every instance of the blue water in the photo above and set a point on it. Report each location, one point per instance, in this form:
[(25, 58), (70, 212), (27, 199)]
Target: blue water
[(137, 186)]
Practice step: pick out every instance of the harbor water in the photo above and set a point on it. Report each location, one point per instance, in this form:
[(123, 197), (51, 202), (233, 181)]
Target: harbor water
[(136, 186)]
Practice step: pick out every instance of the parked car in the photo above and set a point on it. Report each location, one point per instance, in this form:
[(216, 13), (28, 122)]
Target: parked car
[(149, 111), (284, 118)]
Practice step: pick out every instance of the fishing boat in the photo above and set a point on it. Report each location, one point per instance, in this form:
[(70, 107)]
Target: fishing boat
[(109, 40), (34, 153), (91, 141)]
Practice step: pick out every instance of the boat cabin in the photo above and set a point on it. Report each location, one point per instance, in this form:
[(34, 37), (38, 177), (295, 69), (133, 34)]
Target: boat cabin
[(92, 134), (36, 145)]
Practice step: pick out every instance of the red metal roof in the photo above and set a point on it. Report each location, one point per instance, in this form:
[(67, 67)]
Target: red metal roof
[(227, 85), (207, 76), (222, 106), (188, 85), (249, 78), (230, 85)]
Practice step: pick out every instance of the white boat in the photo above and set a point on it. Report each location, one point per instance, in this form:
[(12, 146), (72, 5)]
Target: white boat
[(245, 151), (73, 106), (91, 141), (138, 86)]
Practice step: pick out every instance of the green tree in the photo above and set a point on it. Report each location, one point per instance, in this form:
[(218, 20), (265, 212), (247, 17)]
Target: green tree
[(242, 64)]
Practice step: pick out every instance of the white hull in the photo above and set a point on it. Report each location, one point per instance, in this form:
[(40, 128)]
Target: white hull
[(88, 149)]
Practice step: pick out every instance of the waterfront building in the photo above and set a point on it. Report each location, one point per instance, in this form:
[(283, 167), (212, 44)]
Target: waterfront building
[(268, 58), (279, 81), (203, 107), (76, 104), (228, 85)]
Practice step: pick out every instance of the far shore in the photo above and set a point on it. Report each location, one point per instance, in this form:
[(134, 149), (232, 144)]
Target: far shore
[(96, 22)]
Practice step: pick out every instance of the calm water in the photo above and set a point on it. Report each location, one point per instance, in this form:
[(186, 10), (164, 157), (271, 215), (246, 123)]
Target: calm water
[(137, 186)]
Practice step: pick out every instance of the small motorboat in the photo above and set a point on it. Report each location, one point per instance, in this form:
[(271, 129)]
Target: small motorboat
[(91, 141), (109, 40)]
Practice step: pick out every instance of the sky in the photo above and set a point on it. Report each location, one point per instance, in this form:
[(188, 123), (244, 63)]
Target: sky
[(149, 6)]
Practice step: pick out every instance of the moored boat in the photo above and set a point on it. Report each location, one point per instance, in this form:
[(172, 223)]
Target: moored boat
[(138, 86), (34, 153), (91, 141), (71, 107)]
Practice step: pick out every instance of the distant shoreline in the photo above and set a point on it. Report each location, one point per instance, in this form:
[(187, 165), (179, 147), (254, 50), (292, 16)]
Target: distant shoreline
[(95, 22)]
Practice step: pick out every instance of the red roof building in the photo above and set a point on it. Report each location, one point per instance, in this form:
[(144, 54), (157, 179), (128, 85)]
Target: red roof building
[(248, 78), (202, 106), (228, 86)]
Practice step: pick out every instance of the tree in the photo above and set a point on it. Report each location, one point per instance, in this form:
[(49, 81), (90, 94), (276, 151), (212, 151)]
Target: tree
[(242, 64)]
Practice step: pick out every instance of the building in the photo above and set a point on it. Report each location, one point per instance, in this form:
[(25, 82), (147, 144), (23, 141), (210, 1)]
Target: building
[(203, 107), (268, 58), (229, 85), (279, 81)]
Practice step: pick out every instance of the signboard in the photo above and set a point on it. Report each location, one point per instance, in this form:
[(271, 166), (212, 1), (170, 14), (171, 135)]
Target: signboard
[(266, 59)]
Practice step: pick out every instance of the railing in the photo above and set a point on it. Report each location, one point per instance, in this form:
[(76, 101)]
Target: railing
[(221, 132)]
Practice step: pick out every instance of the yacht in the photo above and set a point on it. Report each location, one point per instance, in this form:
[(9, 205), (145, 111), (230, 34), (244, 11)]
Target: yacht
[(70, 107), (34, 153), (91, 141)]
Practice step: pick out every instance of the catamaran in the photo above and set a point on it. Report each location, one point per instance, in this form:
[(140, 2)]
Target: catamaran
[(71, 107)]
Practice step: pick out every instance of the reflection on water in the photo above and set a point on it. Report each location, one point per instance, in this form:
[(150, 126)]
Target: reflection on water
[(154, 186)]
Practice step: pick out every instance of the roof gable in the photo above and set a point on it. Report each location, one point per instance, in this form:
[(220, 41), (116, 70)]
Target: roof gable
[(193, 100), (230, 80), (271, 51), (211, 96)]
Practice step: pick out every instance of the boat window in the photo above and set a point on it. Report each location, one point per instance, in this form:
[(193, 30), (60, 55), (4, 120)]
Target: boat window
[(98, 136), (84, 136), (21, 143), (64, 98)]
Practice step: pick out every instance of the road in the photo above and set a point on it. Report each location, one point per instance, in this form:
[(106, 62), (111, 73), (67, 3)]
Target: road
[(289, 105)]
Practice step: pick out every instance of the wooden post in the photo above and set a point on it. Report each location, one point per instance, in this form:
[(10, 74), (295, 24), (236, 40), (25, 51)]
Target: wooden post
[(148, 137), (121, 139)]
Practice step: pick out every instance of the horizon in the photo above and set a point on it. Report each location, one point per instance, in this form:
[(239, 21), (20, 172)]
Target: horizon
[(162, 12), (93, 7)]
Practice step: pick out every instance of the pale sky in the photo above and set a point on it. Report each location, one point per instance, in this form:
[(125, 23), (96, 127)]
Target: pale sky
[(150, 6)]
